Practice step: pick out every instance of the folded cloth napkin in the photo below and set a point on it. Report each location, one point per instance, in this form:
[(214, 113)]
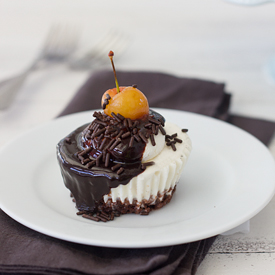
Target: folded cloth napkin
[(24, 251)]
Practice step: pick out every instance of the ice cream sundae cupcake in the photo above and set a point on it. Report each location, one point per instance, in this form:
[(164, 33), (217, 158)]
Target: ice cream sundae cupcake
[(127, 160)]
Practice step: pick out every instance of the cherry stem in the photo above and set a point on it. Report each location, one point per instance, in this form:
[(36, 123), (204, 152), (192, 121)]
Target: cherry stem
[(111, 54)]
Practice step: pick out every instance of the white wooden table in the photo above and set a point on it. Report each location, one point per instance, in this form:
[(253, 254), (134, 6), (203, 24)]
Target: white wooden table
[(203, 39)]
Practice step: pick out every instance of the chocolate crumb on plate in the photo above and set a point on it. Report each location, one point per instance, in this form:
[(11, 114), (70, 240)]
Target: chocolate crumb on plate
[(81, 213), (90, 217)]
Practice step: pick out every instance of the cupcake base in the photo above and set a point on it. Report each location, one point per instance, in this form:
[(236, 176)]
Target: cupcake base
[(106, 211)]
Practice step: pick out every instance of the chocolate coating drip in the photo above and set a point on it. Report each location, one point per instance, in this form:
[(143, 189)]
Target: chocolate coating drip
[(89, 183)]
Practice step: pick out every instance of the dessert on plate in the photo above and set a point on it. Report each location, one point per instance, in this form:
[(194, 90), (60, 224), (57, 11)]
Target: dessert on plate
[(127, 160)]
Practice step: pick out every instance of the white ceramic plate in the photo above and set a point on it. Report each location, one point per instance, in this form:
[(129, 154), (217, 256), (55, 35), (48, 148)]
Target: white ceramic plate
[(229, 178)]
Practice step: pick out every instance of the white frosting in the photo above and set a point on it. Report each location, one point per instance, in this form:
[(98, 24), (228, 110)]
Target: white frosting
[(151, 151), (161, 176)]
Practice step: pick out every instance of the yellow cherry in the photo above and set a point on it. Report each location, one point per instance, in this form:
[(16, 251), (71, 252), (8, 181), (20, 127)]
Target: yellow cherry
[(129, 102), (111, 93)]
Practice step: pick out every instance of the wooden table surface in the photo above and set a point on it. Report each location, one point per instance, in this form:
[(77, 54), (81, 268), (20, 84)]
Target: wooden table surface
[(210, 39)]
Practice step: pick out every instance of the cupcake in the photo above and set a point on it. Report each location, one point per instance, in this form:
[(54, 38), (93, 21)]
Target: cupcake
[(127, 160)]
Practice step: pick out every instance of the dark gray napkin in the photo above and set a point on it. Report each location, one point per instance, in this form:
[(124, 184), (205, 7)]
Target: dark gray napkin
[(24, 251), (166, 91)]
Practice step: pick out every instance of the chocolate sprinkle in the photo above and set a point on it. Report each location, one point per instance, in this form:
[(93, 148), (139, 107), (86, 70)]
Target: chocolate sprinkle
[(120, 133), (80, 212), (131, 143), (154, 129), (154, 120), (120, 116), (130, 124), (120, 170), (109, 144), (146, 164), (137, 138), (98, 159), (114, 134), (178, 140), (102, 144), (148, 125), (80, 158), (85, 161), (170, 142), (90, 217), (100, 122), (101, 137), (84, 152), (115, 144), (101, 218), (127, 134), (115, 117), (97, 133), (91, 164), (135, 123), (104, 155), (157, 130), (115, 167), (142, 137), (152, 140), (184, 130), (173, 146), (107, 160), (104, 214)]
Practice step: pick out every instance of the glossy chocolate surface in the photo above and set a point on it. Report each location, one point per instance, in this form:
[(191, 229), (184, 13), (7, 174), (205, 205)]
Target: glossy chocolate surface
[(89, 185)]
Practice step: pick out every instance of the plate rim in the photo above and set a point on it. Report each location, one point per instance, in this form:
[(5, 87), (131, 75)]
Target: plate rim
[(118, 244)]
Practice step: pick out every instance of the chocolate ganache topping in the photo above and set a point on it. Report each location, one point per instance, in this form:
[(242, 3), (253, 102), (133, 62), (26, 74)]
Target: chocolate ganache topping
[(104, 154)]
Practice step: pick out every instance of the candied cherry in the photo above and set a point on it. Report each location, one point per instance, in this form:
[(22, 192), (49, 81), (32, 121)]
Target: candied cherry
[(129, 102)]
